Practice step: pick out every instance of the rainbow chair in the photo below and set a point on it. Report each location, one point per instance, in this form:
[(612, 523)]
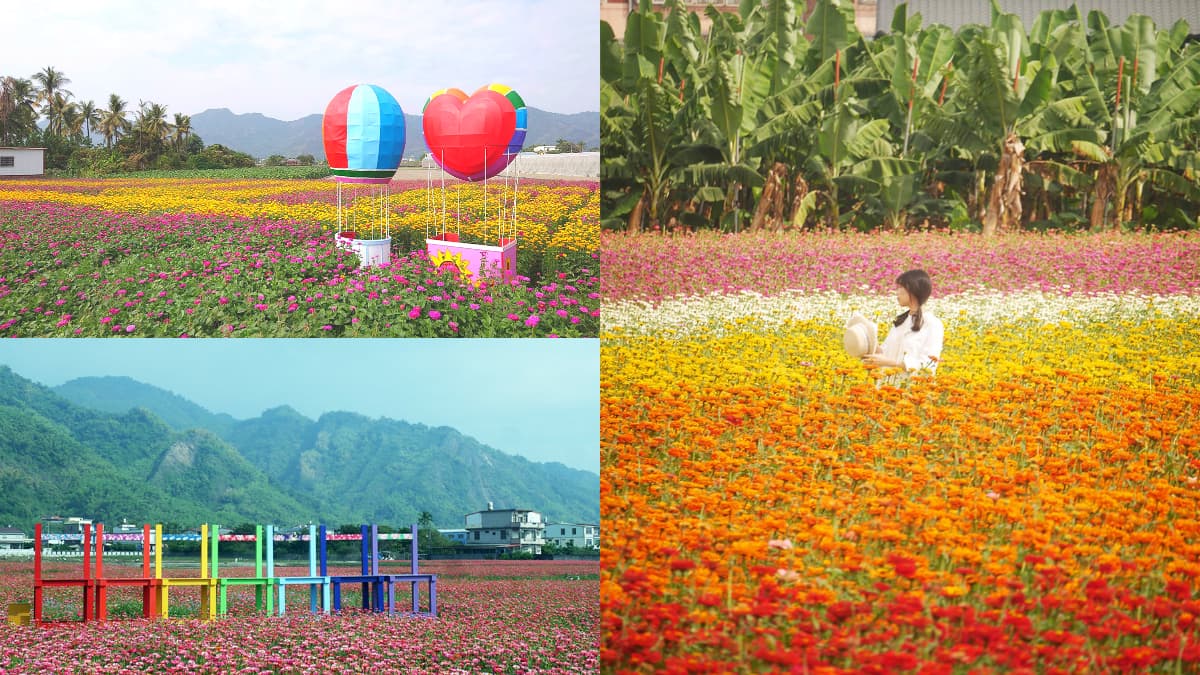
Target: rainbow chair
[(372, 583), (379, 590), (263, 586), (207, 585), (86, 583), (415, 578), (314, 581), (149, 585)]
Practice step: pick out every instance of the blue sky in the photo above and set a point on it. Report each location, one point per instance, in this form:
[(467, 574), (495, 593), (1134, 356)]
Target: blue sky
[(288, 59), (536, 398)]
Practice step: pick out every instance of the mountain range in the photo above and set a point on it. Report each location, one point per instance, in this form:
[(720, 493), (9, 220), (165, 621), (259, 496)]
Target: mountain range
[(262, 136), (112, 448)]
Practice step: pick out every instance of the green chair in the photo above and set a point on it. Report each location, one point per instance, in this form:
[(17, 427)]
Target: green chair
[(264, 586)]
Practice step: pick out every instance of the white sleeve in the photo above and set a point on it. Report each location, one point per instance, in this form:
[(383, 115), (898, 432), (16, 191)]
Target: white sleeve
[(929, 350)]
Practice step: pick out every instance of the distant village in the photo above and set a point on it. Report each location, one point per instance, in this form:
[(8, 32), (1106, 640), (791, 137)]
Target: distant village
[(490, 533)]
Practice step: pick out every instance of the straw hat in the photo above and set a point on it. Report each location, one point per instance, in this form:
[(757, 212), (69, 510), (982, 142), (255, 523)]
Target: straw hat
[(862, 336)]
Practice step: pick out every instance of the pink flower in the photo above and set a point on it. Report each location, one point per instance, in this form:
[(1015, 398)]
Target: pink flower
[(435, 315), (415, 313), (130, 328), (781, 544), (532, 320)]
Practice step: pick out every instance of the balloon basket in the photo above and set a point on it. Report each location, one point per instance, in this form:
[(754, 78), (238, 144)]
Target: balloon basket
[(481, 260), (370, 251)]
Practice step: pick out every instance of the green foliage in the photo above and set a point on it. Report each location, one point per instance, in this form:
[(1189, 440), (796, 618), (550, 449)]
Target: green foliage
[(873, 132), (57, 457), (240, 173)]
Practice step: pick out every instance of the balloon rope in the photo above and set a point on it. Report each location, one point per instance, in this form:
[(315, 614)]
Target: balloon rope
[(503, 203), (339, 198), (516, 192), (485, 177), (443, 168)]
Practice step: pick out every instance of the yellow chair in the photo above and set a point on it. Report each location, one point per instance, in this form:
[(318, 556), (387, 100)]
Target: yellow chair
[(206, 583), (19, 614)]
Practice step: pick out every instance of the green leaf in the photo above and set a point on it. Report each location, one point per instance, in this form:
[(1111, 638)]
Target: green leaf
[(1062, 173), (1038, 93), (830, 28), (1011, 34), (858, 146), (1139, 44), (900, 19), (936, 50), (806, 205), (857, 185), (781, 23), (1169, 181), (1090, 151)]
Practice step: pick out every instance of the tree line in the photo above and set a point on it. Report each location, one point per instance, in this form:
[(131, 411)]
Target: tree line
[(40, 111), (771, 121)]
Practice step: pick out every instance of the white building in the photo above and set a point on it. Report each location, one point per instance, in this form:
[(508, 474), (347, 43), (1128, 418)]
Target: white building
[(509, 530), (14, 539), (458, 536), (581, 535), (22, 161)]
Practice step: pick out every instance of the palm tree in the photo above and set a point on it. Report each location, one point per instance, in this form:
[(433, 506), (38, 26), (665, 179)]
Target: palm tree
[(151, 128), (18, 116), (183, 129), (61, 114), (152, 121), (113, 123), (52, 84), (71, 121), (90, 115)]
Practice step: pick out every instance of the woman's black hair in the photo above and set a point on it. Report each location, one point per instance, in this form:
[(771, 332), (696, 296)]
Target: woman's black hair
[(920, 286)]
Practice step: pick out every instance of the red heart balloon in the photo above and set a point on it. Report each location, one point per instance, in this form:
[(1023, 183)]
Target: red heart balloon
[(468, 134)]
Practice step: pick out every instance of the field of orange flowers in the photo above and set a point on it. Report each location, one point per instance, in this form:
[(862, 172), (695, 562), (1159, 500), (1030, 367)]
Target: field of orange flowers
[(1033, 508)]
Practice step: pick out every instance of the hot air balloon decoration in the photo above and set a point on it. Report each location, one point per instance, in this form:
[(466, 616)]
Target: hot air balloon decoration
[(363, 133), (475, 138)]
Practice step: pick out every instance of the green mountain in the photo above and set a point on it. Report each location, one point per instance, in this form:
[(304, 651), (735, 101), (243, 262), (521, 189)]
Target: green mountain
[(342, 467), (120, 394), (262, 136), (58, 458)]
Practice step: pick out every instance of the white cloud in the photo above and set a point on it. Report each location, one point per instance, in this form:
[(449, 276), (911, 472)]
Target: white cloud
[(287, 60)]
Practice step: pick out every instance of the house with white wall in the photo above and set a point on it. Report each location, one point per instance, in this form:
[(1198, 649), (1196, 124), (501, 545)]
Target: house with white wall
[(506, 530), (22, 161), (583, 536)]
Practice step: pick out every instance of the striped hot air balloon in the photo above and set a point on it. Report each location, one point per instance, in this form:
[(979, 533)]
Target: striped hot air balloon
[(475, 137), (363, 132)]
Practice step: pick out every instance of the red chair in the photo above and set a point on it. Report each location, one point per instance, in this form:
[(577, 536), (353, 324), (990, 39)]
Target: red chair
[(148, 583), (86, 583)]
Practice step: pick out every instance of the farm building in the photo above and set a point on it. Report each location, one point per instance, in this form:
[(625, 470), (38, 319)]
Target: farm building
[(580, 535), (873, 16), (506, 530), (22, 161), (956, 13)]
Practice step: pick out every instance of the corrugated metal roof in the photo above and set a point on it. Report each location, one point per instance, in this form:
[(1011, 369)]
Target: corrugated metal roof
[(956, 13)]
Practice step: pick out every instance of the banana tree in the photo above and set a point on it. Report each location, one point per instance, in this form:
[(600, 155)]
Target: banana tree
[(1010, 98), (1148, 89), (639, 122)]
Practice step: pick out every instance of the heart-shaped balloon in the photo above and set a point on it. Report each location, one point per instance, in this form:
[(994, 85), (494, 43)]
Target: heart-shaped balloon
[(477, 136)]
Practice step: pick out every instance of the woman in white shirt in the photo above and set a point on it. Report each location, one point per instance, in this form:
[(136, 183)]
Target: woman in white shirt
[(915, 341)]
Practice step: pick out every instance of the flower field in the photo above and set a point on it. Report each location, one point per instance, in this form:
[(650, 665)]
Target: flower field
[(220, 257), (1033, 508), (493, 617)]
